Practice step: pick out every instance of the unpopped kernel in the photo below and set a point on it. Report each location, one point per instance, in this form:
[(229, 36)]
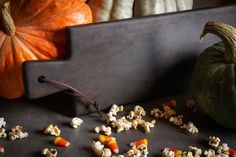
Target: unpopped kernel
[(52, 130), (190, 127), (2, 133), (49, 152), (17, 133), (214, 141), (76, 122), (103, 129), (2, 122)]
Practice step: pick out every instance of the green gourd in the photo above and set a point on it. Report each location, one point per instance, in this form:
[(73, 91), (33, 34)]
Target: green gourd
[(106, 10), (213, 85)]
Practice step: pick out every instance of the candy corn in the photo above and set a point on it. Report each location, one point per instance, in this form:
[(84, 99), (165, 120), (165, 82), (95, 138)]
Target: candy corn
[(139, 142), (176, 151), (232, 152), (170, 103), (113, 146), (1, 149), (103, 138), (61, 142)]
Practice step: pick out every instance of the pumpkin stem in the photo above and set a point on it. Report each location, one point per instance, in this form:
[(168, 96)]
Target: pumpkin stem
[(227, 33), (6, 18)]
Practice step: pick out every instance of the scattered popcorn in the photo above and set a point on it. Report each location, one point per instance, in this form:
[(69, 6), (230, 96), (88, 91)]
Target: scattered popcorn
[(122, 124), (223, 149), (17, 133), (2, 122), (177, 120), (214, 141), (210, 153), (131, 115), (157, 113), (106, 152), (178, 152), (52, 130), (187, 154), (196, 151), (49, 153), (139, 151), (115, 109), (111, 119), (2, 133), (139, 112), (167, 152), (99, 149), (190, 127), (1, 149), (148, 125), (75, 122), (103, 129), (168, 112), (118, 156)]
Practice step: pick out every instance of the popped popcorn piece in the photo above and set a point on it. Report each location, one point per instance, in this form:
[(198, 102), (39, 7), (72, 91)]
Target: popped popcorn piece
[(2, 133), (139, 151), (190, 127), (122, 124), (168, 112), (2, 122), (118, 156), (222, 155), (196, 151), (210, 153), (52, 130), (187, 154), (103, 129), (17, 133), (106, 152), (223, 149), (99, 149), (167, 152), (115, 109), (139, 112), (214, 141), (131, 115), (49, 152), (1, 149), (148, 125), (157, 113), (76, 122), (176, 120)]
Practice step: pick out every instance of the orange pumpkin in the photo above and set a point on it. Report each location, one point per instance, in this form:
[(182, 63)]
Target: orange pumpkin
[(34, 30)]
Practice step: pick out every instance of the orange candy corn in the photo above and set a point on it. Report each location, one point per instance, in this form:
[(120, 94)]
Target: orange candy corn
[(139, 142), (113, 146), (176, 151), (170, 103), (103, 138), (61, 142), (232, 152)]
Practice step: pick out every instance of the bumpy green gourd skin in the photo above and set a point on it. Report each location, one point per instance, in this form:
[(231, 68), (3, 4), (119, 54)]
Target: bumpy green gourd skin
[(213, 85)]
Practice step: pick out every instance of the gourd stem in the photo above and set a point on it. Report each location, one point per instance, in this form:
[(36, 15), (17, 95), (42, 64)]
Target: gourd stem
[(6, 18), (227, 33)]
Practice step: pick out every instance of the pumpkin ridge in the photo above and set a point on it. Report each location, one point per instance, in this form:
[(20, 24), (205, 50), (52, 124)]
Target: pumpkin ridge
[(30, 22), (39, 54)]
